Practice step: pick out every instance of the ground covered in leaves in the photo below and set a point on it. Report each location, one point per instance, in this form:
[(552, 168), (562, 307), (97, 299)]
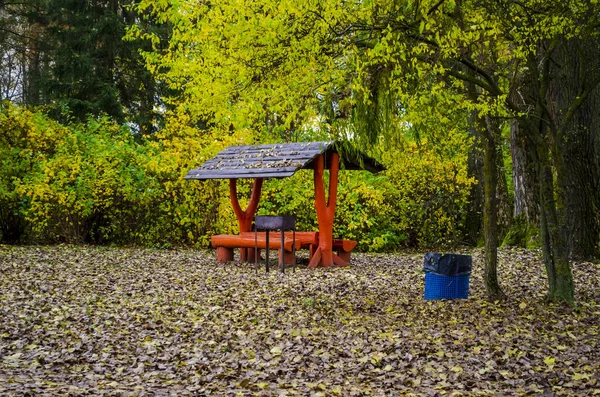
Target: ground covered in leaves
[(77, 321)]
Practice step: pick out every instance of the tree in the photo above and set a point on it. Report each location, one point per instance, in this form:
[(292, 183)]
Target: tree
[(19, 55), (72, 56), (376, 61), (293, 58)]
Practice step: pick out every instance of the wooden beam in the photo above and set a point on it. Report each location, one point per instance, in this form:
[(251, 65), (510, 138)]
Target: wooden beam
[(325, 208), (245, 217)]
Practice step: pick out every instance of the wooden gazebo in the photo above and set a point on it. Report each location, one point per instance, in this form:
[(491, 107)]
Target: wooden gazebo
[(282, 160)]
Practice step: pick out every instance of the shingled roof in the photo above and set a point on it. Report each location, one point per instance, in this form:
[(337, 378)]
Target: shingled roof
[(278, 160)]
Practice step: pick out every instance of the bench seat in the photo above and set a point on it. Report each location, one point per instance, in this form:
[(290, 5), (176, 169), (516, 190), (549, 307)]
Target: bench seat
[(304, 239), (225, 243), (344, 245), (247, 241)]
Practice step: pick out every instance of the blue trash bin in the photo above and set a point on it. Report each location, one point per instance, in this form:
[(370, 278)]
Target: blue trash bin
[(447, 276)]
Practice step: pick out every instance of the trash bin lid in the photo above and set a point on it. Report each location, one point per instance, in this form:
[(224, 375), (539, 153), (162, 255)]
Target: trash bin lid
[(447, 264)]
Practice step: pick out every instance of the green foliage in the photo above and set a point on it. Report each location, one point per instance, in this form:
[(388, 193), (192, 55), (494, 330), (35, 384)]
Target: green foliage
[(421, 200), (25, 139), (366, 212), (364, 207), (90, 69), (83, 190), (93, 182), (65, 53)]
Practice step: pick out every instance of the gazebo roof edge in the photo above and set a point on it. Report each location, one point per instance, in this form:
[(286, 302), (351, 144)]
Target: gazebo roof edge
[(278, 160)]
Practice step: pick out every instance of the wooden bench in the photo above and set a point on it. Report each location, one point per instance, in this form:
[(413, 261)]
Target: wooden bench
[(225, 243)]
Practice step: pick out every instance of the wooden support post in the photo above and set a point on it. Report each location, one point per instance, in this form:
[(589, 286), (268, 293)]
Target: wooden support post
[(345, 256), (245, 217), (289, 258), (224, 254), (325, 207)]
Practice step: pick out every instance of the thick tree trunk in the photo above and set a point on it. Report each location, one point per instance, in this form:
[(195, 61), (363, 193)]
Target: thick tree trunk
[(524, 230), (580, 143), (546, 140), (554, 230), (526, 204)]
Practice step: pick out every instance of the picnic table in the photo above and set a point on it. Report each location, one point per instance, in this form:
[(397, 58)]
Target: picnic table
[(259, 162)]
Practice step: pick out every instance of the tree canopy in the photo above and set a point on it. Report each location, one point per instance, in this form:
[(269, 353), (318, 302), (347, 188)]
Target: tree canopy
[(361, 69)]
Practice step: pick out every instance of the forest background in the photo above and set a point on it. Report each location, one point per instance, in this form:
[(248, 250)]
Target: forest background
[(484, 112)]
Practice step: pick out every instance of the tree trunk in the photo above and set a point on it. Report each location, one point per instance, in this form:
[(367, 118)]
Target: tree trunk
[(553, 231), (577, 60), (526, 204), (490, 211), (32, 77), (547, 142), (487, 133), (474, 221), (524, 229)]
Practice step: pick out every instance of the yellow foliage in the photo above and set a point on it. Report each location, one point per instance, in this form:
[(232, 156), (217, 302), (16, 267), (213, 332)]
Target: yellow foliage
[(94, 183)]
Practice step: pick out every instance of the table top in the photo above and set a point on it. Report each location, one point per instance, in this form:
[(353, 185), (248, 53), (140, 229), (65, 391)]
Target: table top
[(272, 222)]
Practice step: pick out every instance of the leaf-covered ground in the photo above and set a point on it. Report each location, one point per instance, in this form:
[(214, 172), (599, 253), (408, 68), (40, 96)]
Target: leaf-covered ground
[(77, 321)]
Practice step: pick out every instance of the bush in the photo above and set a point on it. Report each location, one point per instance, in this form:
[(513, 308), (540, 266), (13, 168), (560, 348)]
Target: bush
[(420, 201), (95, 183), (26, 139), (89, 184), (92, 183), (430, 189)]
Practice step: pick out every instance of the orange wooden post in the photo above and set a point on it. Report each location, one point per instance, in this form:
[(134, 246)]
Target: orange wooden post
[(224, 254), (325, 207), (245, 217)]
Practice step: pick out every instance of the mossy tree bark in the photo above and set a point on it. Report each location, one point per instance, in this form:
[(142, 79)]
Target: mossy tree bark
[(553, 231), (575, 61), (547, 135), (490, 210), (487, 134)]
